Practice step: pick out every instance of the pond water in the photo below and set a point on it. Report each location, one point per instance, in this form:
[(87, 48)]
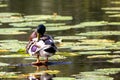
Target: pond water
[(81, 11)]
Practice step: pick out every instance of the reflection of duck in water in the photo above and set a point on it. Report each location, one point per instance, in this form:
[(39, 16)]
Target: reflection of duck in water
[(41, 44), (43, 76)]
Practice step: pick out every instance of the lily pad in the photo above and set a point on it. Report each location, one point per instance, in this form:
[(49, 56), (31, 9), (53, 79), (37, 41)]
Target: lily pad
[(12, 19), (63, 78), (14, 55), (98, 74), (60, 28), (100, 33), (9, 14), (3, 5), (90, 24), (104, 56), (26, 24), (116, 60), (114, 23), (12, 45), (3, 64), (112, 12), (13, 31), (111, 8), (93, 52), (70, 37), (115, 2), (115, 15), (46, 17), (8, 75)]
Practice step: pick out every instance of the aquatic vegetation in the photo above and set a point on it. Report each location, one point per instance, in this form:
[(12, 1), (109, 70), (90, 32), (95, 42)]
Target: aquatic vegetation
[(3, 5), (98, 74), (90, 24), (14, 55), (8, 75), (100, 33), (13, 31), (46, 17), (3, 64), (9, 14), (63, 78), (104, 56), (54, 24), (7, 45), (111, 8), (115, 15), (54, 57), (70, 37), (115, 2), (116, 60), (60, 28), (11, 20), (112, 12), (114, 23), (27, 24), (46, 71), (93, 52)]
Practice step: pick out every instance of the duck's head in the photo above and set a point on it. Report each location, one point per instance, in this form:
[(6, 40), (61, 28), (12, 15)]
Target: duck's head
[(41, 29)]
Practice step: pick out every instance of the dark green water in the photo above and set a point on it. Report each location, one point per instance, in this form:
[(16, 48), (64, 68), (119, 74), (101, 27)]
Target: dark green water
[(81, 11)]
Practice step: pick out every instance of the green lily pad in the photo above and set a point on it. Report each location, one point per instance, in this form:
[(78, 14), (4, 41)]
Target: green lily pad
[(112, 12), (3, 5), (12, 45), (3, 64), (8, 75), (115, 15), (54, 24), (115, 2), (60, 28), (12, 19), (100, 33), (98, 74), (14, 55), (70, 37), (13, 31), (111, 8), (116, 60), (5, 14), (114, 23), (90, 24), (26, 24), (93, 52), (63, 78), (104, 56), (46, 17)]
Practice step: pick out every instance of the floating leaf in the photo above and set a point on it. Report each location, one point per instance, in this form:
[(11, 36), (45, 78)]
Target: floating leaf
[(63, 78), (70, 37), (12, 45), (13, 31), (8, 75), (46, 17), (26, 24), (3, 64), (111, 8), (117, 60), (100, 33), (57, 28), (93, 52), (104, 56)]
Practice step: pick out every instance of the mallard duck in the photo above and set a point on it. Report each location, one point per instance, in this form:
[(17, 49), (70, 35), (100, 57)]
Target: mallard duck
[(41, 44)]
